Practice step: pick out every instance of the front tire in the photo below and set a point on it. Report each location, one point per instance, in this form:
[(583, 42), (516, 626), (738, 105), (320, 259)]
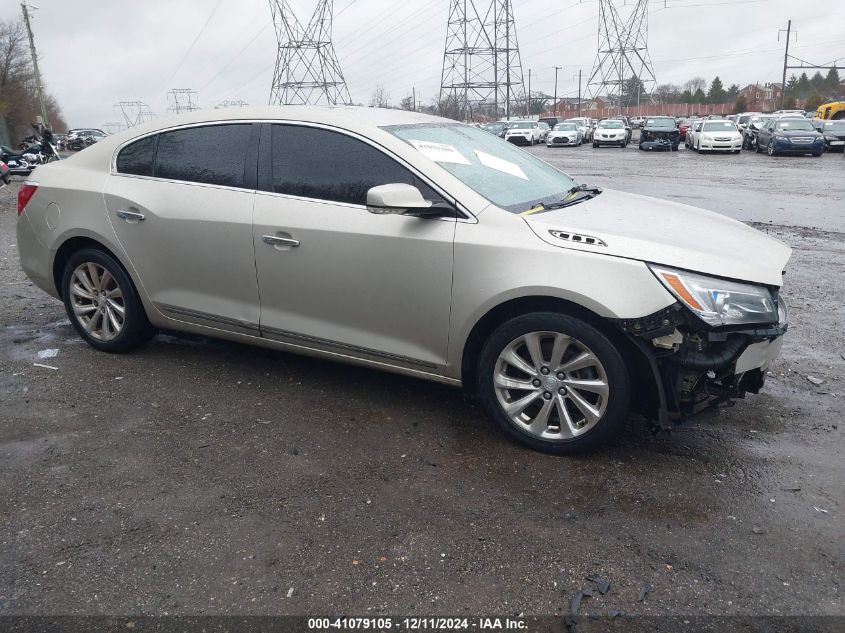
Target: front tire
[(102, 303), (770, 149), (554, 382), (595, 145)]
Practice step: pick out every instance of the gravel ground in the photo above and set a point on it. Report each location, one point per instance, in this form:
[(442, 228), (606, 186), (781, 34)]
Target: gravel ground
[(204, 477)]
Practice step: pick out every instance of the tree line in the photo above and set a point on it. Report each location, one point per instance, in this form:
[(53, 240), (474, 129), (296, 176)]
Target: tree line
[(19, 104)]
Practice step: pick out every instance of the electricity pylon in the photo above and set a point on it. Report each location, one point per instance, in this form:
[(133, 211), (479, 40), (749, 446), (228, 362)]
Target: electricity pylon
[(482, 69), (182, 100), (307, 71), (622, 56), (134, 112)]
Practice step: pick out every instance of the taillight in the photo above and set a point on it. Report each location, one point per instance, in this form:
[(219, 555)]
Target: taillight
[(25, 194)]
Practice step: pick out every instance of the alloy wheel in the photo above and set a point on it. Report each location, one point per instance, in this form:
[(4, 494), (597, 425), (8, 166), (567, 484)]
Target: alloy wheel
[(97, 300), (551, 385), (770, 149)]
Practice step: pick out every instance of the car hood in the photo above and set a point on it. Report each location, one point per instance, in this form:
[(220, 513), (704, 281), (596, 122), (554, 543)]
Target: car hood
[(668, 233), (791, 133)]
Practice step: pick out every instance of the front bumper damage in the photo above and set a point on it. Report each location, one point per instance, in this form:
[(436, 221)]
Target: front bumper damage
[(697, 369), (661, 144)]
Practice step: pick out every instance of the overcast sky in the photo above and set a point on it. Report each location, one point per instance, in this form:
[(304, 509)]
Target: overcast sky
[(95, 53)]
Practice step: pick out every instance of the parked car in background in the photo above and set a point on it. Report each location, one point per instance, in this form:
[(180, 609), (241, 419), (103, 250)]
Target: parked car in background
[(744, 118), (790, 135), (752, 128), (438, 252), (544, 130), (718, 135), (551, 121), (5, 175), (637, 121), (693, 131), (586, 125), (628, 129), (565, 133), (788, 112), (660, 133), (683, 126), (834, 135), (610, 132), (523, 132), (497, 128)]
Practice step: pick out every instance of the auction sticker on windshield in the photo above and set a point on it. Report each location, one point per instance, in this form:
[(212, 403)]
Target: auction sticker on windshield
[(500, 164), (439, 152)]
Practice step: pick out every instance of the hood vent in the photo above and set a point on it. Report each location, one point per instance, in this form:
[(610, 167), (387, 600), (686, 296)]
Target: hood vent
[(578, 238)]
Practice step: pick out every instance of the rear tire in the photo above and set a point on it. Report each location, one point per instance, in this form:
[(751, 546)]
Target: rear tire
[(102, 303), (573, 391), (595, 145)]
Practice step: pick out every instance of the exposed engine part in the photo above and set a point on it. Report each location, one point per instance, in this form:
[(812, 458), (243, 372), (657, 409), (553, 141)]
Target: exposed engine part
[(671, 341), (718, 356)]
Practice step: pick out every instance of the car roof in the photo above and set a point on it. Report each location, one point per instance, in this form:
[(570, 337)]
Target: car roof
[(352, 118)]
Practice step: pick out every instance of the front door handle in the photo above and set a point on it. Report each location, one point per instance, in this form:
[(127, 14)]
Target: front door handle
[(129, 216), (275, 240)]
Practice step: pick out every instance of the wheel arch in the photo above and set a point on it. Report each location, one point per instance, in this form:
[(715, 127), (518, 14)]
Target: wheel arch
[(642, 380), (76, 243)]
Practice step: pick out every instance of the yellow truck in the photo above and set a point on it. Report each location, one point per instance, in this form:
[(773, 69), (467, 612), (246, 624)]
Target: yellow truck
[(834, 110)]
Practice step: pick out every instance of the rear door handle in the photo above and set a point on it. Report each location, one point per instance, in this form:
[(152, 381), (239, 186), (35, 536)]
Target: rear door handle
[(275, 240), (129, 216)]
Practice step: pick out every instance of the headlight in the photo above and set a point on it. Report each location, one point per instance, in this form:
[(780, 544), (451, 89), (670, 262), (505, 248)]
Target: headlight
[(719, 302)]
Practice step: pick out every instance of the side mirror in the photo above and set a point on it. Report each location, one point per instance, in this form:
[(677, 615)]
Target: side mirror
[(404, 199)]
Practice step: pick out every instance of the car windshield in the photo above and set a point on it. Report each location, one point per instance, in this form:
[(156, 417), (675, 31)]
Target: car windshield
[(495, 127), (795, 124), (612, 124), (566, 126), (719, 126), (507, 176), (525, 125), (660, 122), (834, 125)]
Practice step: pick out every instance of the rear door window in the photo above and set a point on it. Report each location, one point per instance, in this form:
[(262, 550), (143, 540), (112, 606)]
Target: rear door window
[(213, 154)]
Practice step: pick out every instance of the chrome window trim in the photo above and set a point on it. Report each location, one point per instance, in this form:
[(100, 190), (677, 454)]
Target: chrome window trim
[(469, 219)]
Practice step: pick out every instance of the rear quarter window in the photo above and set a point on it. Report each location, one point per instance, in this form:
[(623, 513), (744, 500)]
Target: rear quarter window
[(138, 158)]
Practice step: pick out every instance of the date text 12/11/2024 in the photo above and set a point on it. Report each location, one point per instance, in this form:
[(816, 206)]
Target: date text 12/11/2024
[(417, 624)]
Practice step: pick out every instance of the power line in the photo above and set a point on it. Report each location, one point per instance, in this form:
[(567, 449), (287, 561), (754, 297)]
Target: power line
[(194, 43)]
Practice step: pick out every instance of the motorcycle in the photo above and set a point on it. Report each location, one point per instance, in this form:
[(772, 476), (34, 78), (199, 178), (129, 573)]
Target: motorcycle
[(21, 163)]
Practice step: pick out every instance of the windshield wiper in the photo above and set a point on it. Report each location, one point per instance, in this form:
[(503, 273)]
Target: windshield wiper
[(576, 194)]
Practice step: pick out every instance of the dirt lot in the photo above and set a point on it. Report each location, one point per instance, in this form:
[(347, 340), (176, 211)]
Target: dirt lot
[(203, 477)]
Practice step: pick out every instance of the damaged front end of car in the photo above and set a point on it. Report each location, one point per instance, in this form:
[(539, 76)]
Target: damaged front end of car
[(711, 347), (659, 139)]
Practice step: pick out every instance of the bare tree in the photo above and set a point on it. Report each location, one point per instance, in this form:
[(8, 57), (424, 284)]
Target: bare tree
[(408, 103), (695, 84), (18, 95), (667, 93), (380, 98), (14, 56)]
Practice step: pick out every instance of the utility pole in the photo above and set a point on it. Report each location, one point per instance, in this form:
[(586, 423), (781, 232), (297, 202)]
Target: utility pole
[(528, 99), (414, 97), (579, 93), (38, 85), (557, 68), (785, 62)]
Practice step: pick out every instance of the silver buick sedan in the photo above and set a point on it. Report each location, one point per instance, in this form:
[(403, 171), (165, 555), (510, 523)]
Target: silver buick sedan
[(413, 244)]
